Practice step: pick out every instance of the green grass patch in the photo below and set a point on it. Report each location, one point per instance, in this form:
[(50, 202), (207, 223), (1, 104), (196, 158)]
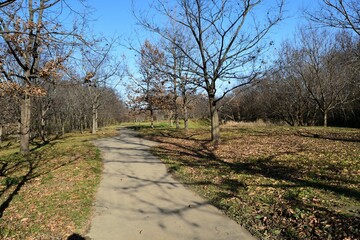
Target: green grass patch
[(192, 124), (48, 194), (278, 182)]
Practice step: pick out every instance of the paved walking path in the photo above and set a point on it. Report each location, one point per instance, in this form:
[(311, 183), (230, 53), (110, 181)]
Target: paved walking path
[(138, 199)]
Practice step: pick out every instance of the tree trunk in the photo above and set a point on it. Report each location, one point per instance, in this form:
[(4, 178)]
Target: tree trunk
[(176, 110), (25, 123), (152, 117), (325, 118), (95, 114), (215, 126), (177, 125), (42, 122), (1, 132), (186, 118), (63, 128), (175, 105), (82, 125), (171, 118), (86, 123)]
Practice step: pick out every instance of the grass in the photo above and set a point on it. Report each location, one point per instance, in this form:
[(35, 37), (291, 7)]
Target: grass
[(278, 182), (49, 193)]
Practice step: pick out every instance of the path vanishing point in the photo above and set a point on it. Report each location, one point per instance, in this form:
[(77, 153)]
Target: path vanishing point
[(138, 199)]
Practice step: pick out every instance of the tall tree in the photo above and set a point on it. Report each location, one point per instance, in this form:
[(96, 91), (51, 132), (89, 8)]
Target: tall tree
[(227, 39), (30, 32)]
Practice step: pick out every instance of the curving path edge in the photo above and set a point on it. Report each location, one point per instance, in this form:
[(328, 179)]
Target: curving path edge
[(138, 199)]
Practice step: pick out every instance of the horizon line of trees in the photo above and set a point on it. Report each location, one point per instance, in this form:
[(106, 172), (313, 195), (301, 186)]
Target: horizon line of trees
[(314, 80), (65, 108)]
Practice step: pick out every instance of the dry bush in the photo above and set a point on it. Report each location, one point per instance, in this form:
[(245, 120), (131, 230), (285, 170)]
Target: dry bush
[(257, 123)]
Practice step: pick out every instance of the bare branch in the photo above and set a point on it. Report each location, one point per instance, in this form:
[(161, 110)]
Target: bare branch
[(5, 3), (344, 14)]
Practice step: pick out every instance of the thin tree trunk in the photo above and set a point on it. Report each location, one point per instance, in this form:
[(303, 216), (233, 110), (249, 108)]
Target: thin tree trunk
[(25, 123), (42, 122), (177, 125), (171, 118), (95, 114), (186, 118), (1, 132), (175, 105), (85, 122), (176, 109), (81, 123), (152, 117), (63, 128)]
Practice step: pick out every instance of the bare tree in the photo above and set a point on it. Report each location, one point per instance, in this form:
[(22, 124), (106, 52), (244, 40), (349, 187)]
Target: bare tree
[(148, 90), (101, 68), (318, 63), (179, 79), (344, 14), (31, 32), (227, 38)]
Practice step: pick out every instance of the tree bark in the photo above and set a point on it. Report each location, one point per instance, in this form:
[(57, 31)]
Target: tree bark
[(186, 118), (171, 118), (1, 132), (63, 128), (152, 117), (95, 114), (177, 125), (175, 105), (215, 126), (81, 125), (25, 123), (85, 121), (42, 122), (325, 118)]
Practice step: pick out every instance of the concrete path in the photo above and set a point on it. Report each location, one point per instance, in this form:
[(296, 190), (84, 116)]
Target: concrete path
[(138, 199)]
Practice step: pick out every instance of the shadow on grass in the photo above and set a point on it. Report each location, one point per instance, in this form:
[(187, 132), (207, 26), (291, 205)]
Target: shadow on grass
[(165, 132), (354, 139), (265, 166), (335, 224), (19, 183), (19, 170)]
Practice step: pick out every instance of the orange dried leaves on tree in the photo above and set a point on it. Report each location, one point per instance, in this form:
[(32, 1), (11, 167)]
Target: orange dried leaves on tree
[(9, 88), (12, 88)]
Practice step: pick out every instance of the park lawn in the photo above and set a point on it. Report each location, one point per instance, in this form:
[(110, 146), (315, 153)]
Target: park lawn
[(49, 194), (278, 182)]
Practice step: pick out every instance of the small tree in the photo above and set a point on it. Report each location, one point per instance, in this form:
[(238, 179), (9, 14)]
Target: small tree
[(148, 91), (101, 68)]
